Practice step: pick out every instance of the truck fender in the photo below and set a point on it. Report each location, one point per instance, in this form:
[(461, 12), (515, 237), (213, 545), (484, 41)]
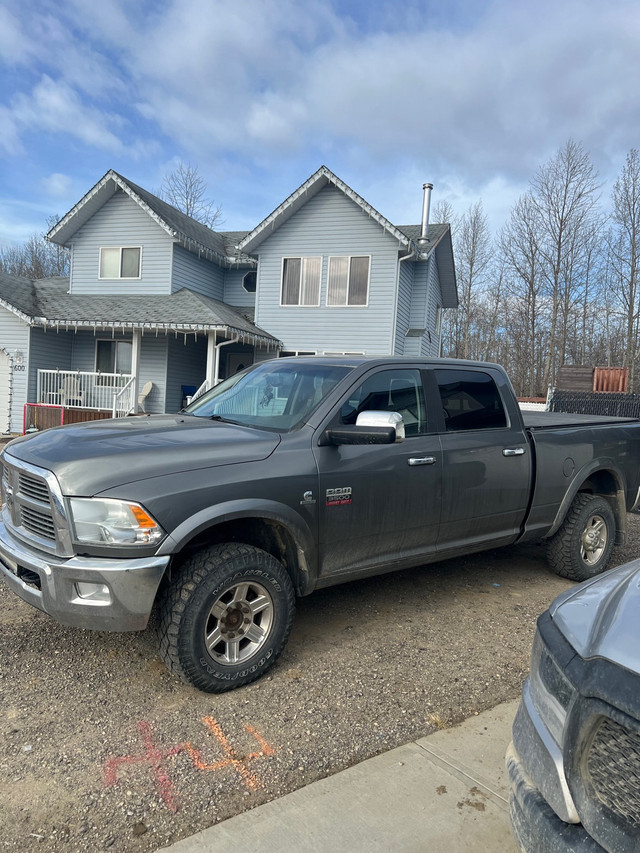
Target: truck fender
[(606, 466), (272, 510)]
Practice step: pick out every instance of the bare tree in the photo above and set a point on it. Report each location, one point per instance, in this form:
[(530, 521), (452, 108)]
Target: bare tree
[(624, 252), (36, 258), (565, 192), (473, 248), (186, 189)]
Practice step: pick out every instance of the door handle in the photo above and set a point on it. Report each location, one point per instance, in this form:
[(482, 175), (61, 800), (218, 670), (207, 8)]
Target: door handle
[(422, 460), (513, 451)]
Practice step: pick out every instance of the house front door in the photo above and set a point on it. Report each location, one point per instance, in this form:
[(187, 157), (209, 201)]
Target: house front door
[(238, 361)]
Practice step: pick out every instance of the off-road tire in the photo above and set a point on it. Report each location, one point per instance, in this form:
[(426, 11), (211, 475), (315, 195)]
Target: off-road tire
[(588, 516), (214, 595)]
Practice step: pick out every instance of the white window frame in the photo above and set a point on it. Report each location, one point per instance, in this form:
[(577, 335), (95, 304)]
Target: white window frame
[(300, 258), (255, 290), (333, 352), (293, 353), (119, 277), (438, 329), (350, 259)]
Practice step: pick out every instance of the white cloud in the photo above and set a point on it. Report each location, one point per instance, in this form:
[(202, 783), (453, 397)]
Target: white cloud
[(56, 107), (57, 185)]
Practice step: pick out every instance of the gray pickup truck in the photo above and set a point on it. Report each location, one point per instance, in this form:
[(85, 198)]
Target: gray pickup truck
[(292, 475)]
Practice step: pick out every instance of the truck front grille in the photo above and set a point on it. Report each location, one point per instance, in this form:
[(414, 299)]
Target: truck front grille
[(32, 506), (32, 487), (613, 764), (39, 523)]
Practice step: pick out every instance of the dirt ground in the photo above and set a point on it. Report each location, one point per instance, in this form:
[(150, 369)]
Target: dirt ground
[(102, 749)]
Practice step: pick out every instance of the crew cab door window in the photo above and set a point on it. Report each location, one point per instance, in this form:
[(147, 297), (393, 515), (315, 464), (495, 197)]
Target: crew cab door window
[(390, 391), (485, 492), (470, 400)]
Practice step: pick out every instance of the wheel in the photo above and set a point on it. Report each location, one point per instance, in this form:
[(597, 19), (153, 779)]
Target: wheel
[(226, 617), (582, 546)]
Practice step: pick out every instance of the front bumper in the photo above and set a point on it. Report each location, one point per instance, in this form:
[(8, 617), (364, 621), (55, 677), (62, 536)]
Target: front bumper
[(536, 827), (50, 584)]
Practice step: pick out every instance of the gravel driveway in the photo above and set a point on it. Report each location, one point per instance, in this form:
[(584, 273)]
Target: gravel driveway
[(102, 749)]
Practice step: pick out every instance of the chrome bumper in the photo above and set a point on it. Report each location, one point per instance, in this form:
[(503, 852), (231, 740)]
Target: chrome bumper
[(125, 588), (542, 758)]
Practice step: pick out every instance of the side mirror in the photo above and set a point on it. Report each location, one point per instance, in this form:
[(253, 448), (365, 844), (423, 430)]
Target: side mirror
[(383, 419), (370, 428)]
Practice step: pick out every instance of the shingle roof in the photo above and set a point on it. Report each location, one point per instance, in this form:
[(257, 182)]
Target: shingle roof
[(196, 237), (46, 302)]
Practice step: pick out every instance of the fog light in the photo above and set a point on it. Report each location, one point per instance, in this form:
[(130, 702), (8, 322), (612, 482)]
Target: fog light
[(96, 592)]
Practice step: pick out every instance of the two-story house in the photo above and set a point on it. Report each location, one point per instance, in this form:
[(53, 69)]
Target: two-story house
[(157, 304)]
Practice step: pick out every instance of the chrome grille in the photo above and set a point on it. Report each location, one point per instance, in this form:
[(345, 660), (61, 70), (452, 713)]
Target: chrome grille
[(32, 487), (613, 764), (38, 523), (33, 506)]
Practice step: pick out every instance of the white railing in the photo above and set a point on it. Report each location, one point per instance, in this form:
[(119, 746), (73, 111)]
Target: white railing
[(80, 389), (200, 391), (123, 400)]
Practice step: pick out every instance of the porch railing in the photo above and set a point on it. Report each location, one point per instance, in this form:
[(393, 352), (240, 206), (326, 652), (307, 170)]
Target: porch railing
[(80, 389), (201, 390)]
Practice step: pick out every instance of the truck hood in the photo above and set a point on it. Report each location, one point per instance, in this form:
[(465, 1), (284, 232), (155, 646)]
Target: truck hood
[(91, 457), (600, 617)]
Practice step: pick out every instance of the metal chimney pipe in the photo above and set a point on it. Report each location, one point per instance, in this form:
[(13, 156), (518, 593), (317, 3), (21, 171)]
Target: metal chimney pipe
[(426, 204)]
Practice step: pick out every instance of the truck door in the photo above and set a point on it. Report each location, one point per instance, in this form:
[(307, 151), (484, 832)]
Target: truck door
[(380, 503), (486, 474)]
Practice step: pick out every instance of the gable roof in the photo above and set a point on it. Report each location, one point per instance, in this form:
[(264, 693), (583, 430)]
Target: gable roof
[(320, 179), (218, 246), (47, 303)]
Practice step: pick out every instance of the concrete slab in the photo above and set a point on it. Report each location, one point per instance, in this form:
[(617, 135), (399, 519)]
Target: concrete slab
[(446, 793)]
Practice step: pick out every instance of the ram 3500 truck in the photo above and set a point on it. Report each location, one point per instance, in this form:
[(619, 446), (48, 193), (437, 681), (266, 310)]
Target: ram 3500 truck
[(292, 475)]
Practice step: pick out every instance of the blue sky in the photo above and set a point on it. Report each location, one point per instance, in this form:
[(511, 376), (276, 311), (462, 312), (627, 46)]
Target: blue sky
[(471, 95)]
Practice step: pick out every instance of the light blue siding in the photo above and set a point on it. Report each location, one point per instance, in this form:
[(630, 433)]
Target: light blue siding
[(431, 340), (196, 274), (14, 337), (50, 350), (121, 222), (330, 224), (234, 292), (405, 287), (153, 368), (186, 365)]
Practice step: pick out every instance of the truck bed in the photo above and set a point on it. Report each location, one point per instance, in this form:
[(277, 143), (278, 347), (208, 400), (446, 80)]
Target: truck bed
[(546, 420)]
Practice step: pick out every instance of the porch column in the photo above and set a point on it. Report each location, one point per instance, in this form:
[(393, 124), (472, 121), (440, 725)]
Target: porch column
[(135, 365), (211, 374)]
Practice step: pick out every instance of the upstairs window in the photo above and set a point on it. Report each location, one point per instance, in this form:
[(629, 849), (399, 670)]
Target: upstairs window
[(348, 282), (120, 261), (249, 281), (301, 281)]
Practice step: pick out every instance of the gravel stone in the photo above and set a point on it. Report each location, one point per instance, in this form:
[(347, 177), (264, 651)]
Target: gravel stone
[(126, 757)]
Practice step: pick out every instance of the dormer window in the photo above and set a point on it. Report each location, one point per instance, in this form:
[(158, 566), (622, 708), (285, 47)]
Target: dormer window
[(249, 281), (120, 261)]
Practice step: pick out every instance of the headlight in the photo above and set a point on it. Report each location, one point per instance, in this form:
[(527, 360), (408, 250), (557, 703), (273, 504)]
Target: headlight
[(551, 691), (104, 521)]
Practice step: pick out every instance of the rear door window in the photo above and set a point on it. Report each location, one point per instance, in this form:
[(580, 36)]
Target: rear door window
[(470, 400)]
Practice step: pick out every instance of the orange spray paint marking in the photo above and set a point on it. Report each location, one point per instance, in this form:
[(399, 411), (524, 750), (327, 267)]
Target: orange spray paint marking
[(232, 759), (154, 758)]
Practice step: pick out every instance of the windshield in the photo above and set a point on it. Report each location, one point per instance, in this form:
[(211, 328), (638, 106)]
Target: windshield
[(275, 395)]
